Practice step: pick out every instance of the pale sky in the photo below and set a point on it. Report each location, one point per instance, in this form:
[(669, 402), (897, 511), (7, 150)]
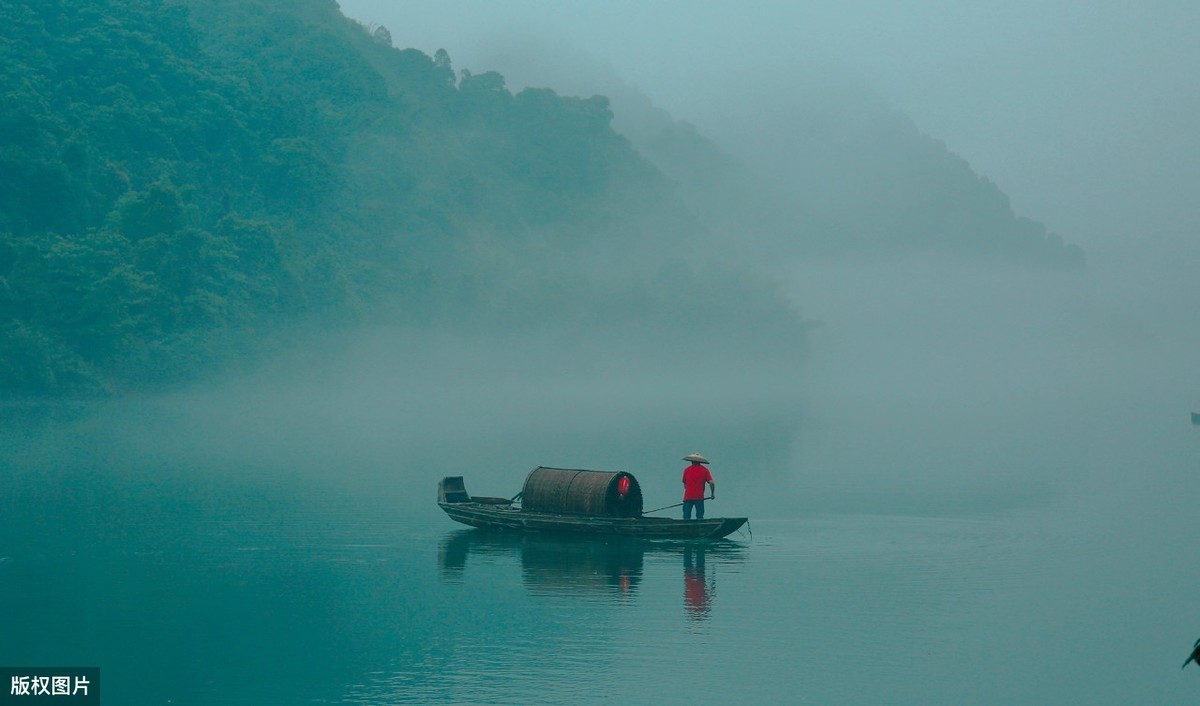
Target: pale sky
[(1083, 112)]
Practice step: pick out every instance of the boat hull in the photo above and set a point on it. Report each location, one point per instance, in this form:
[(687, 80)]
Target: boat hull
[(509, 519)]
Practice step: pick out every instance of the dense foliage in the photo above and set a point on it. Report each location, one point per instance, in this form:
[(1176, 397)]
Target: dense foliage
[(182, 180), (176, 177)]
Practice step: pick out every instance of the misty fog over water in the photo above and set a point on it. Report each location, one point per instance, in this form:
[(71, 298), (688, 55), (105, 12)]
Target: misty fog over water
[(986, 474)]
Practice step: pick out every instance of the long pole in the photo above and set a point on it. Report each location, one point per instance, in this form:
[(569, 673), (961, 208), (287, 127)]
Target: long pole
[(668, 507)]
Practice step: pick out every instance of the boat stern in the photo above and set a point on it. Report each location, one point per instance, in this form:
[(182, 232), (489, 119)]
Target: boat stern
[(452, 489)]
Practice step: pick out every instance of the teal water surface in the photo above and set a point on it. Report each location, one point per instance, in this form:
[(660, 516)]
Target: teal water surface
[(187, 586), (978, 519)]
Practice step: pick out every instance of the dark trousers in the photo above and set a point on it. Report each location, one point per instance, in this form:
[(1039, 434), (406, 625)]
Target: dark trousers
[(687, 509)]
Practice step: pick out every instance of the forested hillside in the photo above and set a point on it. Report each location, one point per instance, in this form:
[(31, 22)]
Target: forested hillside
[(816, 164), (182, 182), (178, 178)]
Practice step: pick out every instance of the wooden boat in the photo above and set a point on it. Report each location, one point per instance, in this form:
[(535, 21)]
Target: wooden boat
[(560, 500)]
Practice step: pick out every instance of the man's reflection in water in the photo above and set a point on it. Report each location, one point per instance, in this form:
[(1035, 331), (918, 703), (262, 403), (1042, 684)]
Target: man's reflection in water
[(695, 584)]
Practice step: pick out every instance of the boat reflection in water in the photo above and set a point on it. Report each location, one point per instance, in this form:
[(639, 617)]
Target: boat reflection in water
[(566, 565)]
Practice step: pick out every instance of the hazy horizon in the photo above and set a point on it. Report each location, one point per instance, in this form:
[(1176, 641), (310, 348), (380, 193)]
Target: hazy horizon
[(1080, 113)]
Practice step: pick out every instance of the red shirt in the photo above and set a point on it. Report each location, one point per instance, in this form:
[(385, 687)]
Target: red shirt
[(694, 478)]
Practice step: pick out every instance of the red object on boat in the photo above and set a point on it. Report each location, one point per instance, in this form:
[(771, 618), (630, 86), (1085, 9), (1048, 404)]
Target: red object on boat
[(623, 486)]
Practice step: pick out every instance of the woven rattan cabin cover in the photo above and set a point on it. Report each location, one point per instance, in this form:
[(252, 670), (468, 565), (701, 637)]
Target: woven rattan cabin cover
[(579, 492)]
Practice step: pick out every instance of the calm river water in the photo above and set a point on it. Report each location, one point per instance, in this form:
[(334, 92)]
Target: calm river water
[(1017, 531)]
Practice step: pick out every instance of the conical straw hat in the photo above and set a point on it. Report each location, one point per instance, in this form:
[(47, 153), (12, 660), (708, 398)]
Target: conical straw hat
[(695, 458)]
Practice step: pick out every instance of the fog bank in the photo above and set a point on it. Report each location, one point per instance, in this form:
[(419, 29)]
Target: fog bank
[(1081, 113)]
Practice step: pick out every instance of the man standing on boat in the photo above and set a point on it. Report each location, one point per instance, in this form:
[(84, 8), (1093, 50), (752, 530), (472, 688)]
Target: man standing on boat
[(695, 477)]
